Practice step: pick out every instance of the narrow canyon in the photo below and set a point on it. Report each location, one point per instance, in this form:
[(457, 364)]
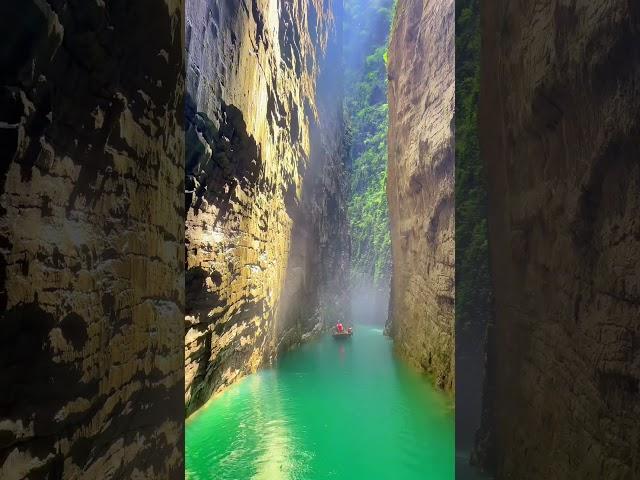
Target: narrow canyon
[(178, 201), (268, 247), (193, 193)]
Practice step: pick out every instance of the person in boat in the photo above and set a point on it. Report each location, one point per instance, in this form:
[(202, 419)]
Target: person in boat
[(339, 327), (349, 330)]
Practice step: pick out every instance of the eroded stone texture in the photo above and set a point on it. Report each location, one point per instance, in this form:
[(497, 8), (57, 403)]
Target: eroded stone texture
[(560, 123), (420, 185), (91, 239), (266, 240)]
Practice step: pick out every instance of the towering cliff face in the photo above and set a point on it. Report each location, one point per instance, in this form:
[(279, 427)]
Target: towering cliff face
[(267, 242), (91, 230), (560, 103), (420, 185)]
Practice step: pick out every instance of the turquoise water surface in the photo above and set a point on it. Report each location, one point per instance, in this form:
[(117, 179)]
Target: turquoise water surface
[(345, 410)]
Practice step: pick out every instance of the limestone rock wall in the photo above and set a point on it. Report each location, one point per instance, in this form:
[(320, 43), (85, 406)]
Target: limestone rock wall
[(420, 185), (91, 249), (559, 126), (266, 239)]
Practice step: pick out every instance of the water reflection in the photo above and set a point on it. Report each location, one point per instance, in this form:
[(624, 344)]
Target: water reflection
[(275, 458), (341, 351), (329, 410)]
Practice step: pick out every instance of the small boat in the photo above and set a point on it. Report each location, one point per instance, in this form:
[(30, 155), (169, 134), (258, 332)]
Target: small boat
[(342, 335)]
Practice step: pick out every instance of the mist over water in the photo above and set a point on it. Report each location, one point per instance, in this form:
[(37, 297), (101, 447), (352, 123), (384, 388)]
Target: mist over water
[(330, 410), (369, 305)]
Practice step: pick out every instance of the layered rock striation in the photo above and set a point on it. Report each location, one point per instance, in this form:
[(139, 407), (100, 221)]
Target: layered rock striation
[(420, 185), (559, 126), (266, 239), (91, 240)]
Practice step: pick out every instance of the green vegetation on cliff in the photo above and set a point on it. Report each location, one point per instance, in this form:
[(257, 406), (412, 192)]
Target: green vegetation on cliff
[(367, 25), (473, 288), (473, 291)]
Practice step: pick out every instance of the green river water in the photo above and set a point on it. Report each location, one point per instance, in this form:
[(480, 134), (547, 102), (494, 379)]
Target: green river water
[(346, 410)]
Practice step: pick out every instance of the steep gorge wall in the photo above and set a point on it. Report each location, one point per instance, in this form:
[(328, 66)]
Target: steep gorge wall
[(267, 240), (91, 239), (420, 185), (560, 122)]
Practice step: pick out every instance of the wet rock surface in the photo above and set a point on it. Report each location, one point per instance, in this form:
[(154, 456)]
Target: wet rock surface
[(420, 185), (91, 251), (265, 191), (560, 97)]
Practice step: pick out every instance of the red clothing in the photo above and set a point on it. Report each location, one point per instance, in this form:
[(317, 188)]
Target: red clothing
[(340, 328)]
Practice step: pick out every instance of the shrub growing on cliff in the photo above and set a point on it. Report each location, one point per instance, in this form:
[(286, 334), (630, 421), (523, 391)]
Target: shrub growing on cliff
[(367, 29)]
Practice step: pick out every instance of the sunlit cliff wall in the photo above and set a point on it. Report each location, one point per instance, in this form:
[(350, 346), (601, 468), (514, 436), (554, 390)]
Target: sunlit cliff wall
[(420, 185), (266, 240), (91, 239), (559, 126)]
